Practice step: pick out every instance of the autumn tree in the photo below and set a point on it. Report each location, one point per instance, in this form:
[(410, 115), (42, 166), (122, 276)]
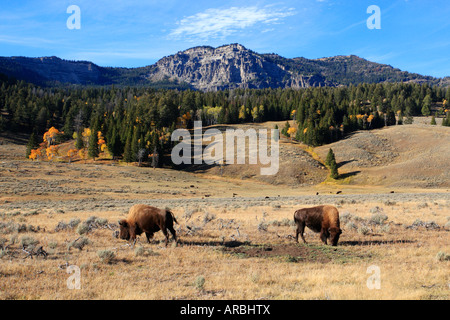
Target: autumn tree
[(50, 136), (71, 153), (52, 151), (291, 132), (35, 154)]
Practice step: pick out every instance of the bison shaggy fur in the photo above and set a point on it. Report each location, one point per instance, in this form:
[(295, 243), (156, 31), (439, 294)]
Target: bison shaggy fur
[(323, 219), (143, 218)]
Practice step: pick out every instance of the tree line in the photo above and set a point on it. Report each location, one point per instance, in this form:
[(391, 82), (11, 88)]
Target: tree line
[(136, 122)]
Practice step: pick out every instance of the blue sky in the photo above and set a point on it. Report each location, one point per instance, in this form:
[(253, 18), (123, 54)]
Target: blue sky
[(414, 34)]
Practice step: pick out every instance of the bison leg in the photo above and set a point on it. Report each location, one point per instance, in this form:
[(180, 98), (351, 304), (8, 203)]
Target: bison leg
[(166, 234), (149, 236), (174, 234), (324, 236), (300, 230), (133, 235)]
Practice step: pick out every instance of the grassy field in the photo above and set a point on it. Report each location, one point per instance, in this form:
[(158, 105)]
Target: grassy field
[(235, 237)]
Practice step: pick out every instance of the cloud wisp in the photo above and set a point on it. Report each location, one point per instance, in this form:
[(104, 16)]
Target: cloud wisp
[(220, 23)]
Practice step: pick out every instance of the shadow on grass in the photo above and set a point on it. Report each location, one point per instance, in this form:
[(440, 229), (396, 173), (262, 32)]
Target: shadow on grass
[(372, 242), (348, 174)]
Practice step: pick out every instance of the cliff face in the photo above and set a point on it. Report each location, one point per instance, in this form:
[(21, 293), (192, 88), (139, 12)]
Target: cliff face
[(231, 66), (207, 68)]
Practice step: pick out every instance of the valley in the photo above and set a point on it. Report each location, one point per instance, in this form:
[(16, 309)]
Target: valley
[(234, 227)]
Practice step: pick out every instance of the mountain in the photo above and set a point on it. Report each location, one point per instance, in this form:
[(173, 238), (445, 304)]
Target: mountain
[(207, 68)]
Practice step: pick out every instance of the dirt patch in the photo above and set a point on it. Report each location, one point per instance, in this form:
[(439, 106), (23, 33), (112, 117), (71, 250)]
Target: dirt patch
[(297, 253)]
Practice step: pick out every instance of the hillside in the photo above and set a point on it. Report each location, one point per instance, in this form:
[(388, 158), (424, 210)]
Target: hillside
[(209, 69), (405, 156), (397, 157)]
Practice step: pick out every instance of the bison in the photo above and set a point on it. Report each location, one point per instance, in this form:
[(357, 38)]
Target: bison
[(143, 218), (323, 219)]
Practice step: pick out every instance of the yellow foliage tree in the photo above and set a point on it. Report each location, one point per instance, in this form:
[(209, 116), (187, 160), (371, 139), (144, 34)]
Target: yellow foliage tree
[(50, 136), (35, 154), (71, 153), (291, 131), (82, 153), (52, 152)]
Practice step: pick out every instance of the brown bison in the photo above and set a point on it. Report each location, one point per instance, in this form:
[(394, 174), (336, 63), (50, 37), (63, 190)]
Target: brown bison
[(323, 219), (143, 218)]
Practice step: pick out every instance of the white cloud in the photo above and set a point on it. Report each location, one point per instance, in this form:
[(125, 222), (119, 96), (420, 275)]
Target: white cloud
[(220, 23)]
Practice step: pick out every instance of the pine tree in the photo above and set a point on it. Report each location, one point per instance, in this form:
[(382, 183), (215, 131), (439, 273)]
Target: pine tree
[(93, 151), (446, 120), (330, 157), (285, 129), (426, 111), (390, 118), (334, 170), (332, 165), (135, 143), (400, 119), (33, 143), (115, 146), (433, 121), (127, 154), (79, 144)]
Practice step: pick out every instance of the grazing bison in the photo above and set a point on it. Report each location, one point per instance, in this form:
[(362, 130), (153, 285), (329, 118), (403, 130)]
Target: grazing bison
[(323, 219), (143, 218)]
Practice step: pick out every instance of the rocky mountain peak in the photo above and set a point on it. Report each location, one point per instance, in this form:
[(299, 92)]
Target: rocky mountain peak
[(208, 69)]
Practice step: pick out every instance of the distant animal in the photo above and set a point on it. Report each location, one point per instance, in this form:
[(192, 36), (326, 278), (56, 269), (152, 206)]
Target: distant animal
[(323, 219), (143, 218)]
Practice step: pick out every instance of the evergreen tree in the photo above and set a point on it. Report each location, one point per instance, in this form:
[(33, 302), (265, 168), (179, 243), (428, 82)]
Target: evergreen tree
[(446, 120), (330, 157), (93, 151), (334, 170), (285, 129), (135, 143), (2, 123), (33, 143), (79, 144), (426, 108), (400, 119), (331, 164), (390, 118), (433, 121), (115, 146), (127, 155)]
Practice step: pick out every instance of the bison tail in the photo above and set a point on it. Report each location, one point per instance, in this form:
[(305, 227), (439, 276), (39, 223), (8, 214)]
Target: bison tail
[(173, 217)]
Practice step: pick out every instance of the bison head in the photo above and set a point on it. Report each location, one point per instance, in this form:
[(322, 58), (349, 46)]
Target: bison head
[(124, 232), (334, 232)]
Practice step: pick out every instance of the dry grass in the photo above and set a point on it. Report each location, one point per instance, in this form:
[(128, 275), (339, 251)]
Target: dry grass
[(230, 235), (223, 252)]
